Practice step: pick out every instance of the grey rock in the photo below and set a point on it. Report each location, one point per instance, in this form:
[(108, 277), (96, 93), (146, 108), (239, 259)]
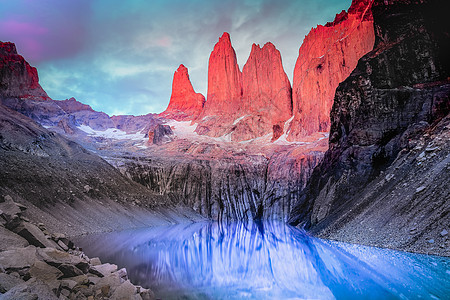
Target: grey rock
[(62, 245), (125, 291), (95, 261), (69, 270), (162, 134), (32, 289), (18, 258), (123, 274), (431, 241), (34, 235), (104, 269), (11, 240), (147, 294), (444, 232), (7, 282), (420, 189), (44, 272)]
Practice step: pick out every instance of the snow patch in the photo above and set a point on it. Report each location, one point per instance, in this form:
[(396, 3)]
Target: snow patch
[(239, 119), (113, 133)]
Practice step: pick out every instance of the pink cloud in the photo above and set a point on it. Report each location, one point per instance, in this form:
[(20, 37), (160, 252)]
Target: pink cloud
[(14, 27), (165, 42)]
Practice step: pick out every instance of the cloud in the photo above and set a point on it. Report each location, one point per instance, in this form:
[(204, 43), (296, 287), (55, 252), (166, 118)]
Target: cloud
[(119, 56)]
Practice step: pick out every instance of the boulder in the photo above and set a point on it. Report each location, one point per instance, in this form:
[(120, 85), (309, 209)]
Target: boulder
[(161, 134), (7, 282), (34, 235), (104, 269), (185, 103), (69, 270), (44, 271), (125, 291), (10, 240), (18, 258)]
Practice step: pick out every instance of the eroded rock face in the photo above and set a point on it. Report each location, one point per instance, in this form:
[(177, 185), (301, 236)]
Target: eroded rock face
[(226, 184), (384, 171), (17, 78), (185, 103), (327, 56)]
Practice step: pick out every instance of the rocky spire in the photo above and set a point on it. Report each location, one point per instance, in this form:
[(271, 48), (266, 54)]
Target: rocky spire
[(185, 103)]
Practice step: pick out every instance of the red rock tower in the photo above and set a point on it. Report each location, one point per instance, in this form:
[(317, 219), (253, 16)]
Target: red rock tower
[(266, 88), (185, 103), (224, 79)]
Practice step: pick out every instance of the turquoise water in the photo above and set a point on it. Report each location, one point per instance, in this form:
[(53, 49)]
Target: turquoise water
[(265, 261)]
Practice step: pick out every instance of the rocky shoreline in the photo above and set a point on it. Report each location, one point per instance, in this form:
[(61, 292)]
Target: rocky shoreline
[(37, 264)]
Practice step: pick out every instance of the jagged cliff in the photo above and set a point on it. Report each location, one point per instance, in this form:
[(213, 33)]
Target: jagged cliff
[(384, 179), (247, 104), (223, 183), (185, 103), (327, 56), (17, 78)]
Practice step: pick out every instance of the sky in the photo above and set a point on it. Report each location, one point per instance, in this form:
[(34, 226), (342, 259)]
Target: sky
[(119, 56)]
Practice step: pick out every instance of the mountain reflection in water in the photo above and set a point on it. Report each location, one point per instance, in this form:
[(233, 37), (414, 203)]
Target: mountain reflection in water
[(265, 261)]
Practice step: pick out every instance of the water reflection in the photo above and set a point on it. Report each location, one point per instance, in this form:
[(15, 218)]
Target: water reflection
[(265, 261)]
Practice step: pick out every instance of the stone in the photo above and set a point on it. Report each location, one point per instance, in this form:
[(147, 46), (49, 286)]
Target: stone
[(123, 275), (420, 189), (430, 241), (34, 235), (147, 294), (9, 209), (161, 134), (18, 258), (125, 291), (444, 232), (11, 240), (7, 282), (44, 271), (327, 56), (56, 257), (185, 104), (69, 270), (95, 261), (107, 284), (104, 269), (62, 245), (32, 289), (68, 284)]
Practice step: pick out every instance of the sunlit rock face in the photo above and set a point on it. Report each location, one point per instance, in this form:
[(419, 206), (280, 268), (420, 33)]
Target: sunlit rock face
[(185, 103), (245, 105), (266, 94), (17, 78), (381, 182), (224, 89), (327, 57)]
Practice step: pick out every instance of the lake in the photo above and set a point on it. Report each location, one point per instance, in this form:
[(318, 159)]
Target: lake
[(265, 261)]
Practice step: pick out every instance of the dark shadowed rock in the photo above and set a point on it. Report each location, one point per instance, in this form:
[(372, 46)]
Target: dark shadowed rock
[(11, 240), (44, 271), (161, 134), (380, 122), (34, 235)]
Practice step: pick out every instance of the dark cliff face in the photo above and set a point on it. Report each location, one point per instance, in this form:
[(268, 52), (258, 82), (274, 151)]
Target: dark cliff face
[(397, 93)]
